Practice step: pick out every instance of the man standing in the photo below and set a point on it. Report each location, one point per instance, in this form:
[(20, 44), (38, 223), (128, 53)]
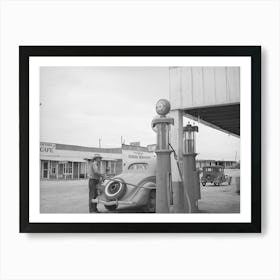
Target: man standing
[(94, 176)]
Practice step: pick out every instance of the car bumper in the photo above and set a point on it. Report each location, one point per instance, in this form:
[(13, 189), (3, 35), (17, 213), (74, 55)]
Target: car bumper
[(113, 202), (207, 179)]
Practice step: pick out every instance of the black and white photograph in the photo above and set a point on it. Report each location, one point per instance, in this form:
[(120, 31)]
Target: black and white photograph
[(141, 135), (140, 139)]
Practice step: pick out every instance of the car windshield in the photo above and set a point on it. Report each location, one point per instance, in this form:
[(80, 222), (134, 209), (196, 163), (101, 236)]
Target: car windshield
[(138, 167), (209, 169)]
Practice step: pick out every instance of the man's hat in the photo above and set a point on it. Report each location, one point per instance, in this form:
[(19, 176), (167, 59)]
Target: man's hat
[(96, 156)]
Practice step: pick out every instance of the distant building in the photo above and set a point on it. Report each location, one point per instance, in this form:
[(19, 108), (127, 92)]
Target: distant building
[(62, 162), (152, 147), (206, 162), (136, 153), (203, 162), (135, 144)]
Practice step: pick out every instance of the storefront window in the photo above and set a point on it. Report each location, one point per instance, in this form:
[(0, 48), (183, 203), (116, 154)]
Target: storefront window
[(53, 167), (64, 170), (110, 167), (45, 169), (83, 170), (67, 168)]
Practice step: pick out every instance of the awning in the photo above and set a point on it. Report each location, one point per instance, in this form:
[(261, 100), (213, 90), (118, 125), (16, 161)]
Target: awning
[(102, 158), (225, 118), (109, 159), (61, 159)]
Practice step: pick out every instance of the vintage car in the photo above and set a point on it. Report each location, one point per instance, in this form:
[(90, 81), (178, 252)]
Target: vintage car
[(214, 174), (135, 187)]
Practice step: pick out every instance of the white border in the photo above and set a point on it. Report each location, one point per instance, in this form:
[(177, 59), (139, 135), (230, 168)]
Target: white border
[(34, 138)]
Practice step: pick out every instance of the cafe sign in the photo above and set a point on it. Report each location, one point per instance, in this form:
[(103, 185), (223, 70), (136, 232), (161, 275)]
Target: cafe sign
[(47, 147)]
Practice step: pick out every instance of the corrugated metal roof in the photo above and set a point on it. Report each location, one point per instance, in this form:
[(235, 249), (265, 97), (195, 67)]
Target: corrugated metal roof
[(210, 95), (192, 87)]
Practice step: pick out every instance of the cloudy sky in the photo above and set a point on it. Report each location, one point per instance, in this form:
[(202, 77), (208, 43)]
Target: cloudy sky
[(80, 105)]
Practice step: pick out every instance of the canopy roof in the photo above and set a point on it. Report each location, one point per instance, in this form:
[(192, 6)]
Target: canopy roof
[(224, 117)]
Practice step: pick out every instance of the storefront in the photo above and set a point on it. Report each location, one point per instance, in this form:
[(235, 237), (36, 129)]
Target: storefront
[(208, 162), (59, 170), (68, 162)]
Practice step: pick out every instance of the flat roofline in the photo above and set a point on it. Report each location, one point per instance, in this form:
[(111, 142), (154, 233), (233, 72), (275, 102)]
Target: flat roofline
[(60, 146), (206, 106)]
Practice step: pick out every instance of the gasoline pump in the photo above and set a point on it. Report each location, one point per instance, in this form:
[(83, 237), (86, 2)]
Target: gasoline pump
[(161, 125), (190, 174)]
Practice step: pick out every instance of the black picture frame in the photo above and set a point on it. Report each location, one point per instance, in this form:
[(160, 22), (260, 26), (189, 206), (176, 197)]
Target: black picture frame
[(25, 52)]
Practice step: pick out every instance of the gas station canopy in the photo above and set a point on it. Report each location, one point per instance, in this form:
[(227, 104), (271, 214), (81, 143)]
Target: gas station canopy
[(210, 95), (225, 118)]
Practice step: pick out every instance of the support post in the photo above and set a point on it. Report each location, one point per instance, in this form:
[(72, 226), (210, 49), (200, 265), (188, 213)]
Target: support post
[(48, 169), (176, 140), (72, 175), (79, 166)]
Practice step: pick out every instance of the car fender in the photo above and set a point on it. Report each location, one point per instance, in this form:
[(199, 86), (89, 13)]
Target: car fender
[(141, 196), (149, 185)]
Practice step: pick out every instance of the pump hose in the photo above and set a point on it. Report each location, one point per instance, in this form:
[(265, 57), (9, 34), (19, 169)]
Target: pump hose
[(181, 176)]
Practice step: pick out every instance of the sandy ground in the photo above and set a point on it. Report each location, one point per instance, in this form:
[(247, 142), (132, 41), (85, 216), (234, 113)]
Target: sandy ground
[(64, 196), (72, 197), (222, 199)]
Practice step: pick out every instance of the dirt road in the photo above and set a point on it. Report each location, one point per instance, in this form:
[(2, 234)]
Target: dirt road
[(72, 197)]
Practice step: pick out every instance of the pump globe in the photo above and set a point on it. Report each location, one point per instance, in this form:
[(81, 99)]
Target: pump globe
[(163, 107)]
